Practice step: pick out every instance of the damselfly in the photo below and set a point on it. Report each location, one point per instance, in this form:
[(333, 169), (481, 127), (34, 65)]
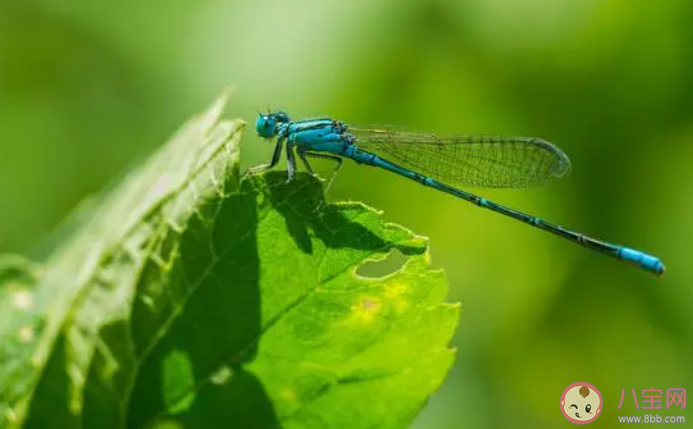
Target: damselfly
[(439, 162)]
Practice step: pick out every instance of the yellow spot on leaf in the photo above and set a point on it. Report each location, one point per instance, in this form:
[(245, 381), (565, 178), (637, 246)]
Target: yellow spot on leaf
[(400, 305), (22, 299), (394, 290), (366, 309), (26, 334), (394, 293)]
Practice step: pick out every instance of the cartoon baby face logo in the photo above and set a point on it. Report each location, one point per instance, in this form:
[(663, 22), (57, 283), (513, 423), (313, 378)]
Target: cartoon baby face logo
[(581, 403)]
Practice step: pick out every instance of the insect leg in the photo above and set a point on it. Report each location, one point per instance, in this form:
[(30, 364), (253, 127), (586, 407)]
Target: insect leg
[(302, 154), (334, 158), (273, 162), (290, 162)]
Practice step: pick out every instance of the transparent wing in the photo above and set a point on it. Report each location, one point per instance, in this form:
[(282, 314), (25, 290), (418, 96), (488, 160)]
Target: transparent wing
[(469, 160)]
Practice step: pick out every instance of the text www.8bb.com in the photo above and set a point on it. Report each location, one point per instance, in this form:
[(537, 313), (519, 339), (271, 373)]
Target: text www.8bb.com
[(651, 418)]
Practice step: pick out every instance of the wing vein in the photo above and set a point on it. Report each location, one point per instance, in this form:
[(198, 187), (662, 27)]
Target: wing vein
[(475, 161)]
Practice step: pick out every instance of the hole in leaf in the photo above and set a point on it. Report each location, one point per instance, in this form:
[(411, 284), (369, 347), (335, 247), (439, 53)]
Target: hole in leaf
[(377, 269)]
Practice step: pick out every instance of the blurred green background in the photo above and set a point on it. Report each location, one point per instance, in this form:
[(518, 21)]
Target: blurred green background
[(87, 87)]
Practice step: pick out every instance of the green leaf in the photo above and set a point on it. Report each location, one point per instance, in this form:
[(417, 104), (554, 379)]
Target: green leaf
[(84, 299), (19, 322), (194, 298)]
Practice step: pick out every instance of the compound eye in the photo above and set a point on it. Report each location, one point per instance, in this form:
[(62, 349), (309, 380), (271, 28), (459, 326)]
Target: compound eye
[(266, 124)]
